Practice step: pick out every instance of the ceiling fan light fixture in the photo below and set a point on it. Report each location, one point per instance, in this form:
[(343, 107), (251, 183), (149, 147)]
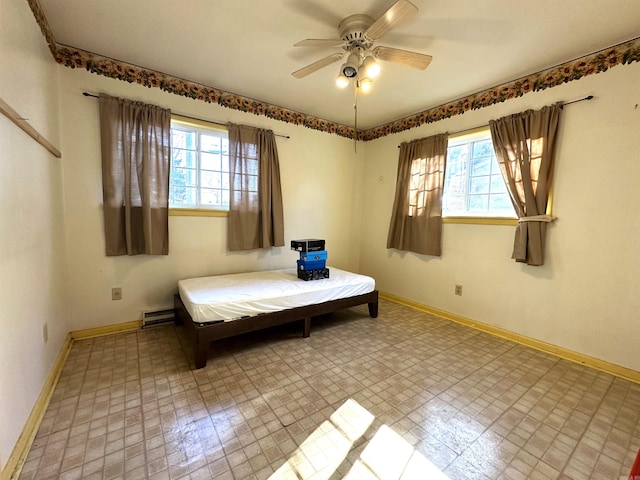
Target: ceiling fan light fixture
[(350, 68), (357, 36), (371, 67), (365, 84), (342, 81), (349, 71)]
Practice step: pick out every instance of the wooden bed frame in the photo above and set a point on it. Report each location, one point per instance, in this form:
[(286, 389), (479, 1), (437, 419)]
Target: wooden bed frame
[(205, 333)]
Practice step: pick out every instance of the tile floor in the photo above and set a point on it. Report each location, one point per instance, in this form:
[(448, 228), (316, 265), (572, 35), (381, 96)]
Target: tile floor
[(360, 398)]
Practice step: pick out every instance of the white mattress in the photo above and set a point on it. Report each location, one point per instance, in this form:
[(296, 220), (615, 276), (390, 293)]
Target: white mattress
[(228, 297)]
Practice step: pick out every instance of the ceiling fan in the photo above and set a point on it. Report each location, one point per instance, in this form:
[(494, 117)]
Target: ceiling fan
[(357, 36)]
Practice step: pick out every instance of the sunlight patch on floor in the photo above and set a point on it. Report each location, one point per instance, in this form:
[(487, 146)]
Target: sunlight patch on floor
[(387, 456)]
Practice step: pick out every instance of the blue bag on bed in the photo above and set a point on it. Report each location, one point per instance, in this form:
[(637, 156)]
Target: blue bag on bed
[(313, 256)]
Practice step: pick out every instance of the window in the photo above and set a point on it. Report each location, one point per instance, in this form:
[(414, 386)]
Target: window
[(474, 186), (199, 177)]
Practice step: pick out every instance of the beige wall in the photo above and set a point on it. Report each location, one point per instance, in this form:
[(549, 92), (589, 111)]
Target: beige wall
[(586, 297), (321, 177), (32, 255)]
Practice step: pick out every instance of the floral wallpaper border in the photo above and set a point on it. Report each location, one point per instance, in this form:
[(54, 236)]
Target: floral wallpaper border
[(597, 62)]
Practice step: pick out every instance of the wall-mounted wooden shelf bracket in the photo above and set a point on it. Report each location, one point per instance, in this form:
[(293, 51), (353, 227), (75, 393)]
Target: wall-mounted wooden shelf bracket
[(12, 115)]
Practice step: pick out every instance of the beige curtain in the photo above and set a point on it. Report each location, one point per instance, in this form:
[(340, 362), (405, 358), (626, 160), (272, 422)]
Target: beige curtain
[(136, 147), (525, 145), (416, 219), (255, 200)]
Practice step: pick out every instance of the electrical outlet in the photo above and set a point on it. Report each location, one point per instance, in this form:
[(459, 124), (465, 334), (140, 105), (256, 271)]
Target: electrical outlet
[(116, 293), (458, 290), (45, 333)]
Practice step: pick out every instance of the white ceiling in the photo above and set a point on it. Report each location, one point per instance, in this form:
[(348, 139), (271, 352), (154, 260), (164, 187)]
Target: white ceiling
[(246, 46)]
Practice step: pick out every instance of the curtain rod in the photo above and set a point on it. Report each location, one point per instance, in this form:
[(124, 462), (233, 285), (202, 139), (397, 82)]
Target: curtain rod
[(588, 97), (86, 94)]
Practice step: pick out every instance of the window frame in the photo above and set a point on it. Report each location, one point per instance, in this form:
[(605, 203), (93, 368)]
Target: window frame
[(470, 218), (199, 126)]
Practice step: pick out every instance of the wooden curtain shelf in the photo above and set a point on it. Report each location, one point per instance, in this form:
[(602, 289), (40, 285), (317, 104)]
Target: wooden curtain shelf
[(12, 115)]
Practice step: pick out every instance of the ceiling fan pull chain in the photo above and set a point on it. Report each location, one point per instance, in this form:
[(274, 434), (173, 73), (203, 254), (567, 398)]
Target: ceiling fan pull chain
[(355, 119)]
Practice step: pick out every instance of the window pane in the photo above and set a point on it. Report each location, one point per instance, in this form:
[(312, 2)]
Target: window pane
[(482, 148), (454, 203), (183, 176), (249, 151), (247, 183), (225, 163), (210, 197), (455, 185), (183, 139), (501, 203), (210, 161), (455, 178), (252, 167), (183, 158), (253, 184), (183, 197), (457, 159), (478, 203), (481, 166), (210, 143), (413, 197), (454, 152), (479, 185), (497, 184), (210, 179)]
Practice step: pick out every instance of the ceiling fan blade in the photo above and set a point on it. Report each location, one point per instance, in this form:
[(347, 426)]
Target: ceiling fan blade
[(320, 42), (399, 12), (323, 62), (416, 60)]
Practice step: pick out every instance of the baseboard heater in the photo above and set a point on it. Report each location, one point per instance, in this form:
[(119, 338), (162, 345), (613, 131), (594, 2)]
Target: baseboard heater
[(157, 317)]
